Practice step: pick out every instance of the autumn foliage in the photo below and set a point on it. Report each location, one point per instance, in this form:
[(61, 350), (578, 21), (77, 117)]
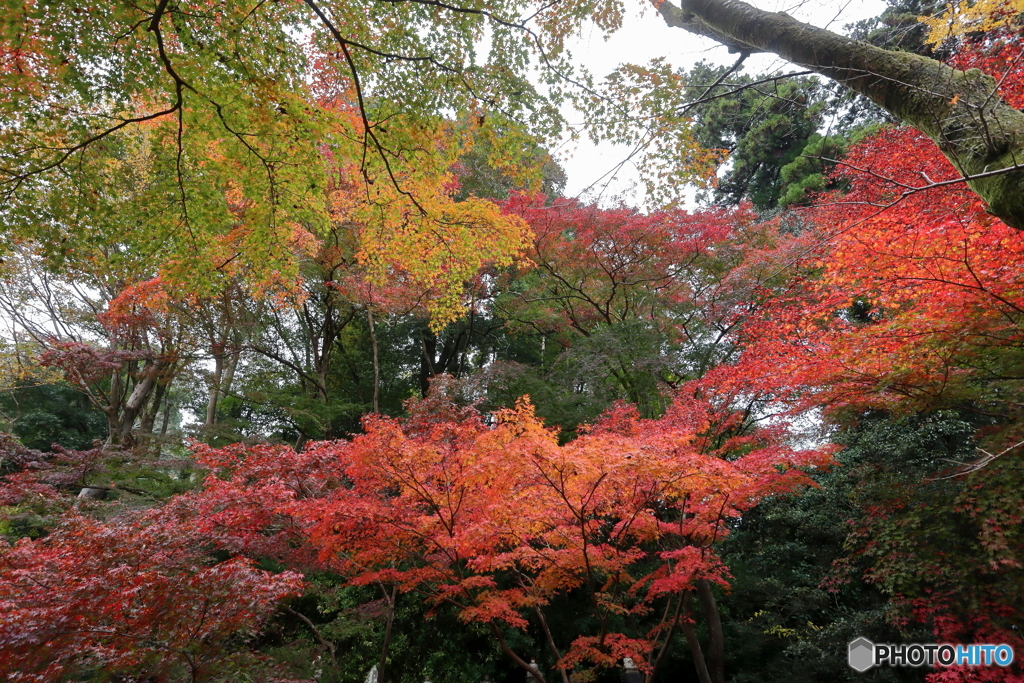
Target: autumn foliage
[(491, 516), (908, 299), (497, 521), (918, 302), (892, 296), (136, 594), (606, 266)]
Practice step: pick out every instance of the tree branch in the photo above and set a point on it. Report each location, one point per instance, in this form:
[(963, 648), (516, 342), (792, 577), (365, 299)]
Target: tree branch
[(977, 131)]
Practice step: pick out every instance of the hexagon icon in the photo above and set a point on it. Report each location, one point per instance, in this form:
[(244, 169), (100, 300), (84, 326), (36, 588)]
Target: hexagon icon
[(862, 654)]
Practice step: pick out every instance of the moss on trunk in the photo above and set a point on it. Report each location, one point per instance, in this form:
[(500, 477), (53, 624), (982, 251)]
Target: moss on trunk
[(960, 110)]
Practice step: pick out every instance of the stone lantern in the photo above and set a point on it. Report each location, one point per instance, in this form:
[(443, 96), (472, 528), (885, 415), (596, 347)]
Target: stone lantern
[(630, 674), (531, 675)]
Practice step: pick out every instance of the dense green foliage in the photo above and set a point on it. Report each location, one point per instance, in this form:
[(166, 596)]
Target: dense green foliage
[(44, 414)]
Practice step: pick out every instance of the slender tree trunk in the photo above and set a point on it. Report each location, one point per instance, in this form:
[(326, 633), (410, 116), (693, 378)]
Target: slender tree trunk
[(551, 642), (376, 363), (153, 409), (167, 415), (229, 374), (716, 644), (428, 345), (392, 606), (960, 110), (214, 394), (691, 639), (463, 359), (655, 660), (511, 654), (223, 377), (113, 409), (326, 644)]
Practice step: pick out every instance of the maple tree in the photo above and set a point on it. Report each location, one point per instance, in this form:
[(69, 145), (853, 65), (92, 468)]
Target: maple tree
[(309, 337), (120, 344), (932, 309), (278, 211), (607, 266), (637, 303), (131, 595), (417, 504), (414, 504), (958, 19), (138, 326), (270, 87), (909, 307), (215, 143), (134, 593)]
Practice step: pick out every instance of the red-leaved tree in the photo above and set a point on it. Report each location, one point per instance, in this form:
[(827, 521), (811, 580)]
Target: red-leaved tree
[(916, 304), (138, 595), (492, 517)]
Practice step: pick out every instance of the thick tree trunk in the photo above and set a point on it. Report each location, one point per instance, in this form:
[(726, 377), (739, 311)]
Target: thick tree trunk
[(960, 110), (113, 425), (137, 400)]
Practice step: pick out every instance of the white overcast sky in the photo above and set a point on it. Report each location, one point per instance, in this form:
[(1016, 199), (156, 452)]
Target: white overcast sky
[(644, 38)]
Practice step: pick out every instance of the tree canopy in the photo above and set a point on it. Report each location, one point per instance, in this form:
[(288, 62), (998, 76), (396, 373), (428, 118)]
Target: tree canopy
[(309, 369)]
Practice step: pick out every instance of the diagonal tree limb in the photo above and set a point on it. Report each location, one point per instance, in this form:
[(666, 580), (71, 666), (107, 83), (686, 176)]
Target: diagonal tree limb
[(959, 110)]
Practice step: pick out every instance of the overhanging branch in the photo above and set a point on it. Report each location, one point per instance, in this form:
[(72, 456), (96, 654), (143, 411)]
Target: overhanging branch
[(960, 111)]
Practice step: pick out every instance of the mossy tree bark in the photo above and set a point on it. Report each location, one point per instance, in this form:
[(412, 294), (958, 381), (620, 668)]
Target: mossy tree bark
[(960, 110)]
